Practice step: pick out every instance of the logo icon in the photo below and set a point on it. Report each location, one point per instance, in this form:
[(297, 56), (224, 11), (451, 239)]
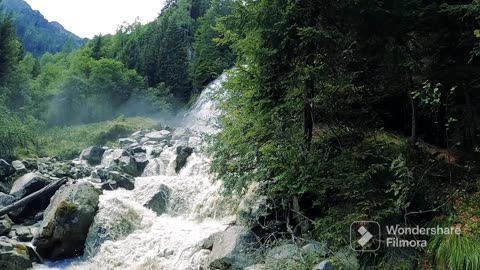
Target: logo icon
[(365, 236)]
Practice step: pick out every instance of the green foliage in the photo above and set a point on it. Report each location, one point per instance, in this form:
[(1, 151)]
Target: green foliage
[(68, 142), (14, 132), (456, 252), (10, 52), (211, 59), (353, 68), (459, 251), (37, 34)]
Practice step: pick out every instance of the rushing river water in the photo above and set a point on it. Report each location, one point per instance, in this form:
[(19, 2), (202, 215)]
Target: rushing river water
[(127, 235)]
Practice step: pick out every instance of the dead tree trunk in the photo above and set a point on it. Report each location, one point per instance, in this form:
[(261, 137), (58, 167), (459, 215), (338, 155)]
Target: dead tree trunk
[(50, 188)]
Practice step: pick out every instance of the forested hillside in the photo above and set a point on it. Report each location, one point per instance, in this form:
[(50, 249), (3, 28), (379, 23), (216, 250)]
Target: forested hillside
[(152, 69), (332, 111), (37, 34)]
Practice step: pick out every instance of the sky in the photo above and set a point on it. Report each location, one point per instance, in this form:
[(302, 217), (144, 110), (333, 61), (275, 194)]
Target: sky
[(87, 18)]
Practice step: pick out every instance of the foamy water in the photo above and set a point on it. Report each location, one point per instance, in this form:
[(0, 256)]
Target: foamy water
[(127, 235)]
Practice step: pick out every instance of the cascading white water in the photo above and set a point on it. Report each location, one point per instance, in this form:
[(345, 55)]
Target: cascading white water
[(127, 235)]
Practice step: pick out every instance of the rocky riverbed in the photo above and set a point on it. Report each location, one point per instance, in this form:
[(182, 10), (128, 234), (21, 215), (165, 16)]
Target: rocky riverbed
[(148, 203)]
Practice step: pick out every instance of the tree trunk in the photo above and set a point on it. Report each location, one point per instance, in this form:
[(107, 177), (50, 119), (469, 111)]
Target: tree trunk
[(470, 122), (48, 189), (413, 105), (308, 107)]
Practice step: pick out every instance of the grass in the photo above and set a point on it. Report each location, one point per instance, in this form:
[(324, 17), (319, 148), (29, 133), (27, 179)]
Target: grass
[(459, 252), (68, 142), (456, 252)]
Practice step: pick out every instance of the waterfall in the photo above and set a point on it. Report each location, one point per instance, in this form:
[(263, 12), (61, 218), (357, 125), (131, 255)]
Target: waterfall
[(127, 235)]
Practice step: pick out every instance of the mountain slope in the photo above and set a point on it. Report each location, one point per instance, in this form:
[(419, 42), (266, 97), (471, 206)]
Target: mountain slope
[(37, 33)]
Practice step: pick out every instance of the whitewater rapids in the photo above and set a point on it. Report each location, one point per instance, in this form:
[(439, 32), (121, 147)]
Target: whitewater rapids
[(126, 235)]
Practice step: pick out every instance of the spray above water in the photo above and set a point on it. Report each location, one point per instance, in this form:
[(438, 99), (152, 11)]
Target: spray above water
[(185, 207)]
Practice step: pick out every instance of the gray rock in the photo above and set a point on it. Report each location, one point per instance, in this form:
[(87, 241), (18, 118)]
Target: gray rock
[(19, 168), (64, 229), (233, 249), (159, 135), (121, 160), (136, 148), (5, 168), (182, 155), (30, 164), (159, 202), (324, 265), (5, 225), (142, 161), (6, 199), (61, 169), (27, 184), (5, 186), (138, 135), (125, 142), (23, 234), (118, 180), (14, 255), (93, 155), (156, 152), (80, 171), (287, 254)]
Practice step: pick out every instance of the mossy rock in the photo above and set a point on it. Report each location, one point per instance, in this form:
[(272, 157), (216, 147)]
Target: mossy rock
[(66, 209)]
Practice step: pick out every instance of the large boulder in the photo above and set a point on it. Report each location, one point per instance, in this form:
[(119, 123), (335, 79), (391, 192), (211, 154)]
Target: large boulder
[(27, 184), (182, 155), (233, 249), (14, 255), (24, 186), (64, 229), (120, 160), (159, 202), (118, 180), (5, 168), (93, 155)]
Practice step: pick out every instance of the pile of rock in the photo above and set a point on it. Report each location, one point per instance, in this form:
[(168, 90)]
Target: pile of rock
[(57, 222)]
